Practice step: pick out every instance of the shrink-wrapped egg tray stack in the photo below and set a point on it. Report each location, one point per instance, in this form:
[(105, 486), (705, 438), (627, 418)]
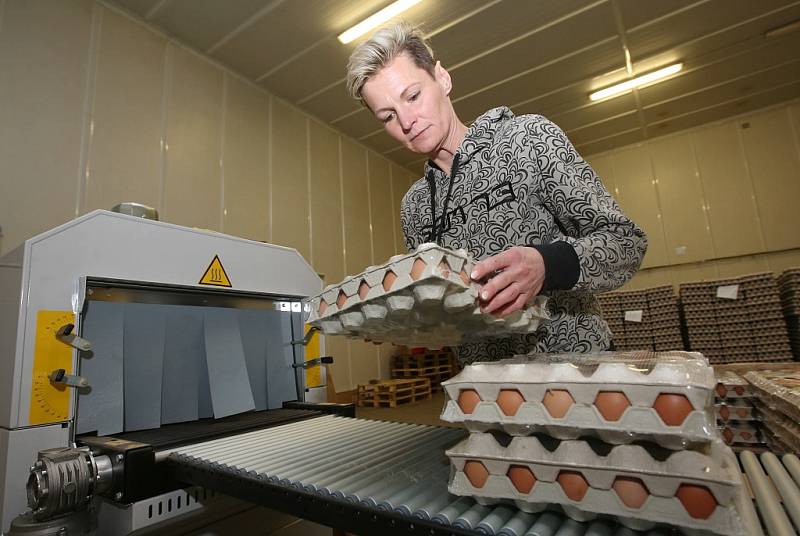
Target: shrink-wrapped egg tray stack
[(738, 420), (789, 285), (423, 298), (646, 319), (777, 399), (735, 320), (627, 435)]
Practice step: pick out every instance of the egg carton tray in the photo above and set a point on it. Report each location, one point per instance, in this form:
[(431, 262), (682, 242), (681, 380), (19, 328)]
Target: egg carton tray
[(779, 388), (424, 298), (693, 490), (619, 397), (781, 427), (737, 410), (731, 385), (741, 432)]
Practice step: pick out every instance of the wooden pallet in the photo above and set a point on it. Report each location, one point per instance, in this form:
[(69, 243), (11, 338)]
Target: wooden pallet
[(391, 393), (430, 358)]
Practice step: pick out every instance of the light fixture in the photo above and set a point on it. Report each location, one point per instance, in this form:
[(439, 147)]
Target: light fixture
[(639, 81), (392, 10)]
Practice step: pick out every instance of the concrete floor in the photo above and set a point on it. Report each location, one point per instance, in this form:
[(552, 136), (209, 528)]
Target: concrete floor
[(424, 412)]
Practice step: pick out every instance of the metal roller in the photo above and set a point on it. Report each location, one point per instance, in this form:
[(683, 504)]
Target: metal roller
[(774, 517), (786, 486)]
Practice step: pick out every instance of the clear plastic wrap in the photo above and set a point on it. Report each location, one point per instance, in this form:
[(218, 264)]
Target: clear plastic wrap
[(424, 298), (619, 397)]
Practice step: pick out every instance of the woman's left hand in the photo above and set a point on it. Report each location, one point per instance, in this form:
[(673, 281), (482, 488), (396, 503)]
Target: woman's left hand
[(514, 276)]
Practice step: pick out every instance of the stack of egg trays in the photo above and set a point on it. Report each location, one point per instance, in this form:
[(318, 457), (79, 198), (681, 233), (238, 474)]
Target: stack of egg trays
[(628, 400), (779, 401), (424, 298), (738, 420), (789, 286), (641, 485)]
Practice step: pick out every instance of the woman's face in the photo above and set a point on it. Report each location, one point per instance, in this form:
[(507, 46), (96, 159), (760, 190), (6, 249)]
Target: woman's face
[(412, 105)]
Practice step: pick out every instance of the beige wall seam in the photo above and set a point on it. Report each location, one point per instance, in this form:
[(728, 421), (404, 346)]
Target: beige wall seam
[(87, 117), (753, 195), (223, 124), (166, 88)]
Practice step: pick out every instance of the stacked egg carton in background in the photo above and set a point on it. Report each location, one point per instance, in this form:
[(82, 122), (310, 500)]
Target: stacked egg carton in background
[(778, 401), (629, 435), (738, 421), (789, 285), (645, 319), (424, 298), (735, 320)]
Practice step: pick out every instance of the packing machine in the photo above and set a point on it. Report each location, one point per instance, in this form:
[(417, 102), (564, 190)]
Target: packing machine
[(120, 334)]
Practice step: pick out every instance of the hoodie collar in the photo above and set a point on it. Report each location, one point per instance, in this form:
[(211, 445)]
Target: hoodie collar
[(479, 136)]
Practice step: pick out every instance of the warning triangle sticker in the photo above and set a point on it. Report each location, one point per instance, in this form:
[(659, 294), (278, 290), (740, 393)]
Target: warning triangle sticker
[(215, 274)]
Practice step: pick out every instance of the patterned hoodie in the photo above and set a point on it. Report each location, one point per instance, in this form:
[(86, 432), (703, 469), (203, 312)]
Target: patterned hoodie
[(519, 181)]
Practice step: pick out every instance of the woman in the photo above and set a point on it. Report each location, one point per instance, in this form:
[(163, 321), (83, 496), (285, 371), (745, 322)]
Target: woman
[(510, 190)]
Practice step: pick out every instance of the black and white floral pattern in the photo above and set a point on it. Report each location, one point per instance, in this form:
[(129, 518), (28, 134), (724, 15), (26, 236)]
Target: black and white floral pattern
[(521, 182)]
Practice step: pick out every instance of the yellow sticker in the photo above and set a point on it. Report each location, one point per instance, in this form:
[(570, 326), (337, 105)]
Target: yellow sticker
[(313, 374), (215, 274), (49, 402)]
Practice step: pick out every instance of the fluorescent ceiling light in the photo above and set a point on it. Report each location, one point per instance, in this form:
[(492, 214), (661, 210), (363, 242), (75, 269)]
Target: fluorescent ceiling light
[(392, 10), (639, 81)]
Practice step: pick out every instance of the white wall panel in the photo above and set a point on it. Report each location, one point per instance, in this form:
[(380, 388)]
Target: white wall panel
[(326, 205), (124, 156), (245, 161), (382, 212), (44, 55), (192, 185)]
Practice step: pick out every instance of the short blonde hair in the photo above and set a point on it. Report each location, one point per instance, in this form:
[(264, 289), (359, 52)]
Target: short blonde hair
[(379, 50)]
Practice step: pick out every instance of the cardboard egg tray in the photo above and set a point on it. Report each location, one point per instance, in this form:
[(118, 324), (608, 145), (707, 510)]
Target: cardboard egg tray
[(424, 298), (736, 410), (659, 327), (639, 485), (619, 397), (741, 433), (780, 427), (778, 389), (731, 386)]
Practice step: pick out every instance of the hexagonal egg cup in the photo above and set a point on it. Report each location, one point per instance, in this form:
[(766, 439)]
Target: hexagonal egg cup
[(424, 298)]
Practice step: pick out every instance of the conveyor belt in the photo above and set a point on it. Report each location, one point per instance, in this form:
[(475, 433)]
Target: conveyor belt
[(172, 435), (373, 477)]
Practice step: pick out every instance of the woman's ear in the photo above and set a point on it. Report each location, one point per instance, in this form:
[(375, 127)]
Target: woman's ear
[(443, 78)]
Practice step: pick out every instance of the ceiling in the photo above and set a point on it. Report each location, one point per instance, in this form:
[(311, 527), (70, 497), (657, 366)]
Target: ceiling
[(536, 56)]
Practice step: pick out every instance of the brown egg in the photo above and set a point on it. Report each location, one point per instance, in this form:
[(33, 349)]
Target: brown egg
[(698, 500), (521, 478), (631, 491), (573, 484), (727, 434), (444, 268), (746, 435), (611, 404), (388, 280), (725, 413), (721, 390), (509, 401), (476, 473), (363, 290), (465, 277), (557, 402), (341, 299), (467, 400), (673, 409), (417, 268), (742, 412), (323, 305), (739, 390)]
